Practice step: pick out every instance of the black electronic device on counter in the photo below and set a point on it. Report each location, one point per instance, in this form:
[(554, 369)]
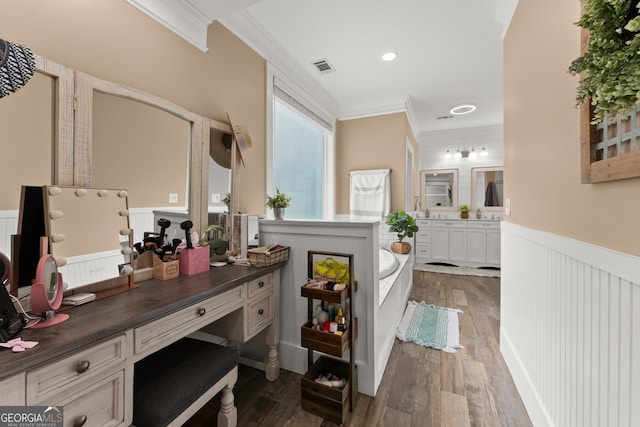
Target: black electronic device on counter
[(11, 322)]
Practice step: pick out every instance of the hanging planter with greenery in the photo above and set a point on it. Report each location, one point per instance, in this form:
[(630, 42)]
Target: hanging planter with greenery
[(610, 66)]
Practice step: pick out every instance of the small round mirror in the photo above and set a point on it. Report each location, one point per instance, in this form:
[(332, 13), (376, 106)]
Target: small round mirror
[(50, 278), (46, 293)]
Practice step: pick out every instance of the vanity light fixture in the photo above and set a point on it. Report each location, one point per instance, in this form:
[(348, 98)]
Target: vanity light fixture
[(389, 56), (459, 110), (463, 153)]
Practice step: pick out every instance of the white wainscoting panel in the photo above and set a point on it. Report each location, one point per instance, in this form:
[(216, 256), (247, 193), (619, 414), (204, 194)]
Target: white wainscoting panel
[(570, 329), (8, 226)]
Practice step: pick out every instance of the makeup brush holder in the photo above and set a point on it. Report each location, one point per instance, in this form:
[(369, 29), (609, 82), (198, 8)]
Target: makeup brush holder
[(194, 261)]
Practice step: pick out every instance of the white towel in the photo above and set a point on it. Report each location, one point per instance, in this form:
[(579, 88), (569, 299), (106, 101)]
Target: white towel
[(370, 195)]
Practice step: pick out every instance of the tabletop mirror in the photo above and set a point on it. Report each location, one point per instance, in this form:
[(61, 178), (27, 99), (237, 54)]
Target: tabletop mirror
[(439, 188)]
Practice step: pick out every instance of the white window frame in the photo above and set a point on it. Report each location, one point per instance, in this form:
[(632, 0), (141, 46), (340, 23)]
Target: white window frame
[(285, 83)]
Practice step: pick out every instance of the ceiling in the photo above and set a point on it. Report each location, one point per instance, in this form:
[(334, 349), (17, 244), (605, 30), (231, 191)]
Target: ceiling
[(449, 51)]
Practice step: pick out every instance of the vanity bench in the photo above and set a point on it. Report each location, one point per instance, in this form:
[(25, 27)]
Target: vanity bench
[(87, 364)]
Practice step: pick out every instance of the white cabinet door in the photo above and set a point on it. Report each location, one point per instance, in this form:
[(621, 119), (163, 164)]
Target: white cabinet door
[(458, 244), (493, 247), (477, 248), (440, 244)]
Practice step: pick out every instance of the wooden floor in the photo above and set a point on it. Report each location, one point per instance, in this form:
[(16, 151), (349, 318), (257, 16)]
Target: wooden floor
[(421, 386)]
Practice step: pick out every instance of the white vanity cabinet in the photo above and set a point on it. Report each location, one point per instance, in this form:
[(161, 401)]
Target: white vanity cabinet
[(472, 243)]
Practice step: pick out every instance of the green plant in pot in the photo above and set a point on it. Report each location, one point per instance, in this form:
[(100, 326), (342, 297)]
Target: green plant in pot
[(227, 202), (278, 203), (212, 237), (610, 66), (403, 225), (464, 211)]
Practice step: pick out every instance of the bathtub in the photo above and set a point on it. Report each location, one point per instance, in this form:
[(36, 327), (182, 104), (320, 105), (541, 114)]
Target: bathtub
[(387, 262)]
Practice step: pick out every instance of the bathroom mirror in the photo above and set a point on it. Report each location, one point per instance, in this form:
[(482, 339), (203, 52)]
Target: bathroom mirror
[(193, 179), (439, 188), (37, 131), (487, 188)]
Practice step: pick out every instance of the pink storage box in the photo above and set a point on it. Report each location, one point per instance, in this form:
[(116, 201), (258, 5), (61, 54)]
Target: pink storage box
[(194, 261)]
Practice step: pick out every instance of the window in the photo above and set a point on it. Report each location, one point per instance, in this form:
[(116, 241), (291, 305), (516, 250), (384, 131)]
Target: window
[(301, 154)]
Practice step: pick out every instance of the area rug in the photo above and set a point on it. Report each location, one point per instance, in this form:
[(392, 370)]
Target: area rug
[(430, 326), (466, 271)]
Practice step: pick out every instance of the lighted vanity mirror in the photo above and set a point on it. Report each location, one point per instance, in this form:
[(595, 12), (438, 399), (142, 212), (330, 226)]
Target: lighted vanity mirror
[(439, 188), (487, 188)]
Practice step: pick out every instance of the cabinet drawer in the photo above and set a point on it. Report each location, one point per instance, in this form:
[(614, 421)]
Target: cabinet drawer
[(259, 285), (423, 251), (161, 332), (66, 376), (423, 223), (12, 391), (423, 235), (100, 404), (449, 224), (259, 315), (490, 225)]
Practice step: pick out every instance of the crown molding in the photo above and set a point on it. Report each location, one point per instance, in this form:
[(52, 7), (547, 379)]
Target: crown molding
[(243, 26), (379, 108), (178, 16)]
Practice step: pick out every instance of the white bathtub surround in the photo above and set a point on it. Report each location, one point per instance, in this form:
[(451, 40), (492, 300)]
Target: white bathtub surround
[(370, 193), (569, 326), (375, 322)]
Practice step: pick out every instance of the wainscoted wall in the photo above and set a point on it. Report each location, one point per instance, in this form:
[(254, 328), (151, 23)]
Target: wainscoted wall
[(570, 328), (8, 226)]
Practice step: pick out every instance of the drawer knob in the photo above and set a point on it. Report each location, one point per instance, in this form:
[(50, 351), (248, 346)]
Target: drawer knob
[(261, 284), (201, 311), (82, 366), (79, 421), (261, 312)]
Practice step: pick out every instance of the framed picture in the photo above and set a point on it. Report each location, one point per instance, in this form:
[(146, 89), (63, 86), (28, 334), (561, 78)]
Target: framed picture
[(331, 265)]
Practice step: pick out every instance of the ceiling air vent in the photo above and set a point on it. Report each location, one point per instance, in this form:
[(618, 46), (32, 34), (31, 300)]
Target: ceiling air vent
[(323, 66), (444, 117)]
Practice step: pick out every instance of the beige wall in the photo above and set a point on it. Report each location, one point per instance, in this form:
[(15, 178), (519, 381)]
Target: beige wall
[(373, 143), (114, 41), (542, 153)]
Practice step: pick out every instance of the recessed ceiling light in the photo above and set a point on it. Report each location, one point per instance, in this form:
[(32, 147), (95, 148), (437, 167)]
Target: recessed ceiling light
[(463, 109), (389, 56)]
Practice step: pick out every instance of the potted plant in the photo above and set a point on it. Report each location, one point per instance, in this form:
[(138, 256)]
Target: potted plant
[(212, 237), (403, 225), (278, 203), (227, 202), (464, 211), (610, 65)]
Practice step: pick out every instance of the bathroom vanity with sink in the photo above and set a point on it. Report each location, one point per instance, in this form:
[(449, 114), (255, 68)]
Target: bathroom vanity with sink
[(468, 243)]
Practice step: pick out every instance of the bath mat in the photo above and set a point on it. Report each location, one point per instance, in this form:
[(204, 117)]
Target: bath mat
[(430, 326), (465, 271)]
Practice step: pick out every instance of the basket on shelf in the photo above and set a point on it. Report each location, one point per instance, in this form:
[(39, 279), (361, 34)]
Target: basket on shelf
[(268, 255)]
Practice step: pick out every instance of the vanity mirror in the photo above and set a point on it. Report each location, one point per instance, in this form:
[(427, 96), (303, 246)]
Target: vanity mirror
[(487, 188), (37, 132), (191, 138), (439, 188)]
